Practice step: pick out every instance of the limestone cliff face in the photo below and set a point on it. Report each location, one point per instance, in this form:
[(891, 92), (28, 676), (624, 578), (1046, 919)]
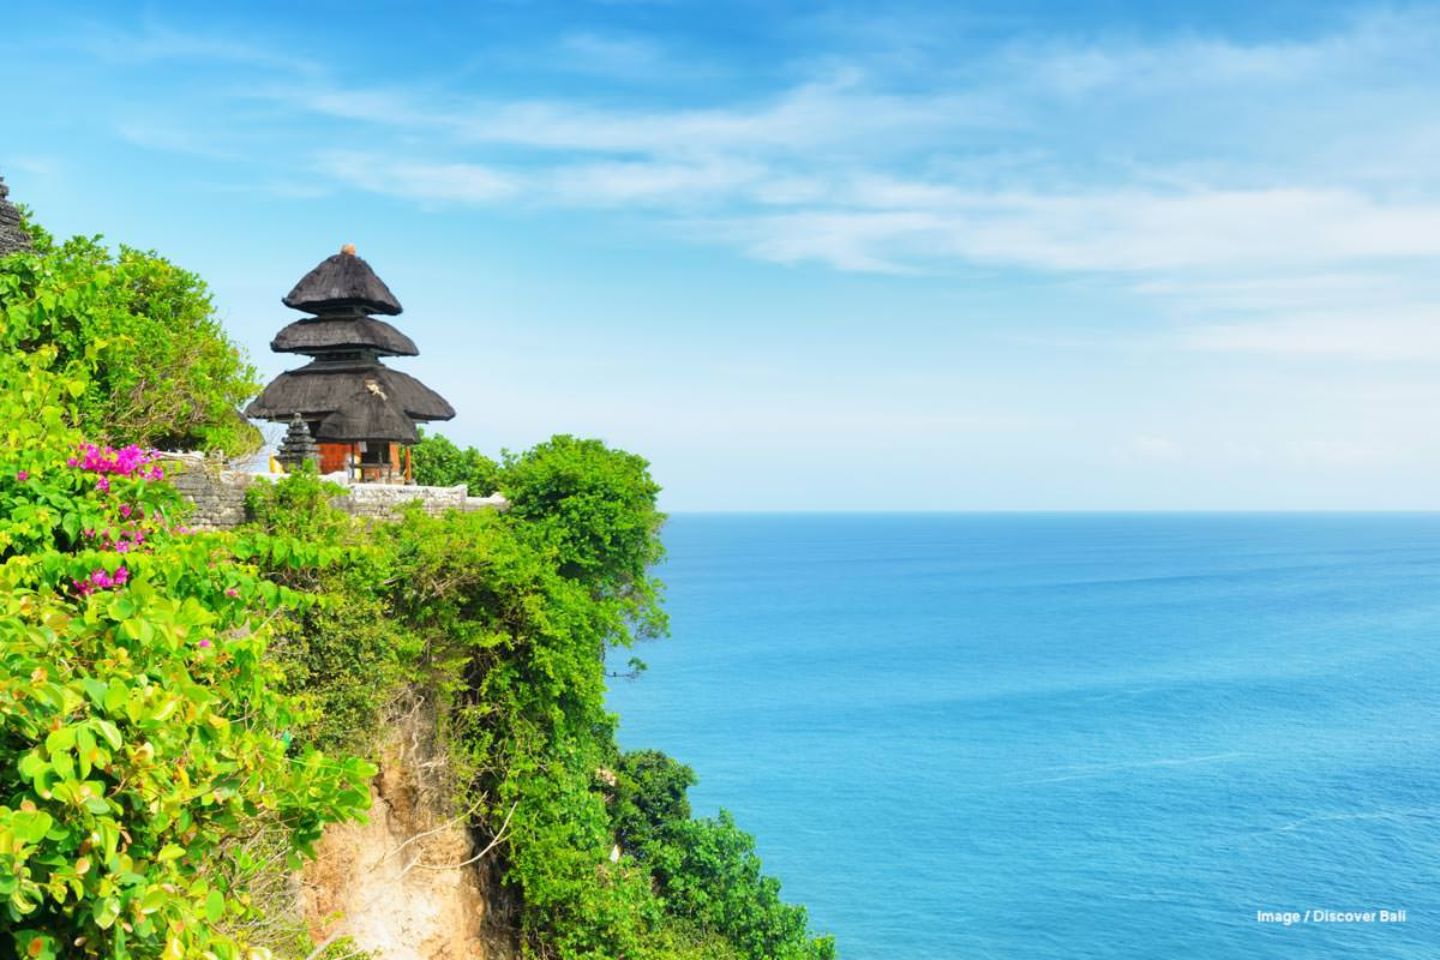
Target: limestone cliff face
[(400, 885)]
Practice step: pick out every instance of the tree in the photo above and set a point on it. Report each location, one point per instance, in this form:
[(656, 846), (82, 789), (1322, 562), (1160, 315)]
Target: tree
[(438, 462), (159, 369)]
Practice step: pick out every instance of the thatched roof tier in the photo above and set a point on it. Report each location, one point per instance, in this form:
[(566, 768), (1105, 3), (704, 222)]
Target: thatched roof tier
[(368, 415), (325, 386), (317, 335), (343, 283)]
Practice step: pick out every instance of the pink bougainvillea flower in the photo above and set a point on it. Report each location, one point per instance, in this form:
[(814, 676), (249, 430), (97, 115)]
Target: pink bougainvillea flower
[(204, 643), (125, 510), (22, 475), (103, 485), (231, 592), (99, 579), (128, 461)]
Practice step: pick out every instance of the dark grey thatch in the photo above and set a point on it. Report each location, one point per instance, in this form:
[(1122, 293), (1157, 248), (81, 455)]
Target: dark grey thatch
[(343, 283), (319, 335), (368, 415), (12, 238), (298, 446), (324, 386)]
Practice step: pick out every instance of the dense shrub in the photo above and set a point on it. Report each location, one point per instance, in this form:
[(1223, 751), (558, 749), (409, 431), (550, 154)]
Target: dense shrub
[(142, 722), (160, 371), (438, 462)]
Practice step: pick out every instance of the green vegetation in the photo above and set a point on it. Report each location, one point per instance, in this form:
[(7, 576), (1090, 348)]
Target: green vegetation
[(439, 463), (142, 721), (159, 370), (166, 696)]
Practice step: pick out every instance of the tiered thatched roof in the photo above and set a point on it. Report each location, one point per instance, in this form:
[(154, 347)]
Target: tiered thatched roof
[(343, 281), (369, 415), (319, 333), (346, 394), (324, 386)]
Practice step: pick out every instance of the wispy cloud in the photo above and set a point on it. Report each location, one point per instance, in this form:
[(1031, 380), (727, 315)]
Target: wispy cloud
[(1411, 336), (614, 56), (154, 42), (1240, 186), (419, 180)]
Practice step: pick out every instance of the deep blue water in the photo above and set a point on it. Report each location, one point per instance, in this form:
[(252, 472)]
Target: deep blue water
[(1077, 736)]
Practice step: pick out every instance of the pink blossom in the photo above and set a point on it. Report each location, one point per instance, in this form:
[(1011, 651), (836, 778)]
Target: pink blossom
[(22, 475), (125, 510), (99, 579), (204, 643), (231, 592), (103, 485), (126, 462)]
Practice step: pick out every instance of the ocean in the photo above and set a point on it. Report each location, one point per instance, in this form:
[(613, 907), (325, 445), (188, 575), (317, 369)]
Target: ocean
[(1070, 736)]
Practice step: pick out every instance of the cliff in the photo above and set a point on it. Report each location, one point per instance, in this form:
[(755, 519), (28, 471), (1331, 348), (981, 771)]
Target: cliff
[(412, 882)]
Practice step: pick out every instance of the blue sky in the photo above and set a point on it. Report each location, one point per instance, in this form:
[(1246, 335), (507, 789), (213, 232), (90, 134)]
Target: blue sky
[(809, 256)]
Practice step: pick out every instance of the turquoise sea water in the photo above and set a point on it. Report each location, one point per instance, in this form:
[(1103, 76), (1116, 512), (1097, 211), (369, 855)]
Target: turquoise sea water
[(1077, 736)]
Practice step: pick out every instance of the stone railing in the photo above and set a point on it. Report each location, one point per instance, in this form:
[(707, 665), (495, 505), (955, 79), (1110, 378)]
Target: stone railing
[(218, 494)]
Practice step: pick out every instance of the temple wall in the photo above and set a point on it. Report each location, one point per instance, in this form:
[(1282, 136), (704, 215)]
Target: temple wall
[(219, 495)]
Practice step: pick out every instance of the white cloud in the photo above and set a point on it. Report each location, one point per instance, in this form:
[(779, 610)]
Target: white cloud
[(418, 180), (154, 42), (1268, 196), (1130, 232), (1411, 336), (671, 184), (1152, 448), (846, 171)]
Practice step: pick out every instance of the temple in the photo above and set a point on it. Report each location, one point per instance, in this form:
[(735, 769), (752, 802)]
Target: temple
[(345, 406), (12, 238)]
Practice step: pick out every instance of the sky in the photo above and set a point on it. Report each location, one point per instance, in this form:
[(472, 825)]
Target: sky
[(806, 256)]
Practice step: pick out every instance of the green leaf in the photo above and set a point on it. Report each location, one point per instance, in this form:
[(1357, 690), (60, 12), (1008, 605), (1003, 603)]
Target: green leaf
[(105, 912), (116, 697), (31, 765), (110, 732), (60, 741), (31, 825), (214, 906)]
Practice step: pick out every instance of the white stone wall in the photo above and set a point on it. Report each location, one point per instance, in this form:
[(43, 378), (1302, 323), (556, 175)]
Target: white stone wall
[(219, 494)]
